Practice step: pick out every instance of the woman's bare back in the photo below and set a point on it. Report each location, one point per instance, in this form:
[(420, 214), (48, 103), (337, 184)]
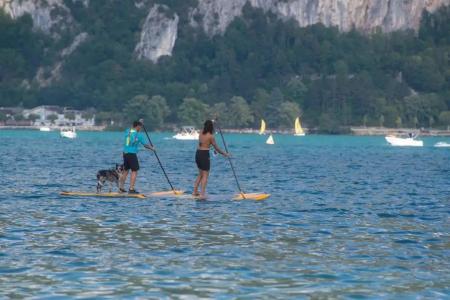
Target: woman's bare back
[(204, 141)]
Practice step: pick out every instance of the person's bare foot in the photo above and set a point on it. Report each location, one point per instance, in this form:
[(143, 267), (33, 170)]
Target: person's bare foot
[(201, 197), (195, 194)]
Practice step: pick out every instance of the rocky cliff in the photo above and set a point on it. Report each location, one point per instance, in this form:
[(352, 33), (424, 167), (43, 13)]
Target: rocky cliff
[(158, 34), (47, 15), (365, 15), (160, 27)]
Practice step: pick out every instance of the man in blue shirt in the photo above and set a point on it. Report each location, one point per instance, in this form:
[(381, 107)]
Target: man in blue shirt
[(133, 138)]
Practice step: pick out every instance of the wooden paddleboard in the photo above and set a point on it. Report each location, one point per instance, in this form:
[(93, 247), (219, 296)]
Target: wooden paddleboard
[(107, 195), (251, 196), (167, 193)]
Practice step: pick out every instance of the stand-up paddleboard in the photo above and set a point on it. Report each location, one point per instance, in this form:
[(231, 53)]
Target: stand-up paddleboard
[(107, 195), (251, 196), (124, 195), (167, 193), (247, 196)]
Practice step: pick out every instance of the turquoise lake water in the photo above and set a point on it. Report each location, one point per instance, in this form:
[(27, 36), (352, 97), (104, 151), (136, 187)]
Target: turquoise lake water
[(349, 217)]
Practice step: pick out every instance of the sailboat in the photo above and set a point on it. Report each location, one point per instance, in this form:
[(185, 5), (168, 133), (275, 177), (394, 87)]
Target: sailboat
[(298, 128), (263, 127), (270, 140)]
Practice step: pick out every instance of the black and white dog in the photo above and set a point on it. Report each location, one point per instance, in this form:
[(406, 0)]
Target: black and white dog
[(111, 176)]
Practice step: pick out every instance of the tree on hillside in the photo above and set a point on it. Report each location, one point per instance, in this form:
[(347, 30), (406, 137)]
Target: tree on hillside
[(364, 120), (259, 104), (19, 117), (398, 122), (240, 114), (33, 117), (69, 116), (52, 118), (192, 112), (153, 110), (220, 112), (87, 115), (444, 118), (272, 111), (287, 113), (381, 121), (296, 90), (390, 114), (328, 123), (103, 118), (110, 119)]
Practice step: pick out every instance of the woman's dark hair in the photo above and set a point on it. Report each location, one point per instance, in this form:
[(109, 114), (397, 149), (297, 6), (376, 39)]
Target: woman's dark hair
[(137, 123), (208, 127)]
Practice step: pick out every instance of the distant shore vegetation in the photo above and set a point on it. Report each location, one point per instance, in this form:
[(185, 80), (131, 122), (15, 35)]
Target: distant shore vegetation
[(261, 67)]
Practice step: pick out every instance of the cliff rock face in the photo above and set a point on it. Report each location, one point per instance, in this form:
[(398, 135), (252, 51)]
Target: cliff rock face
[(159, 30), (45, 13), (158, 34), (365, 15)]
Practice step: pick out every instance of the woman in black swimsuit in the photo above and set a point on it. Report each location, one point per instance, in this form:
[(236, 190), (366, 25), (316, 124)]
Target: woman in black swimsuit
[(205, 141)]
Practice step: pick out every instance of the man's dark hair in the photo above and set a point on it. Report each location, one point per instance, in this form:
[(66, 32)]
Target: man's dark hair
[(208, 127), (137, 123)]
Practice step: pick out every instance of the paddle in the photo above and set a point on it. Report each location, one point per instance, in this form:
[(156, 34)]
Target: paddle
[(229, 159), (242, 195), (160, 164)]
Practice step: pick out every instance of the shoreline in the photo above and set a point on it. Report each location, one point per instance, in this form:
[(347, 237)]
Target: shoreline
[(55, 128), (377, 131), (355, 131)]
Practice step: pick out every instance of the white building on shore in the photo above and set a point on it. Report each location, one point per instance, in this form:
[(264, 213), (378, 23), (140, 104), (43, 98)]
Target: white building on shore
[(52, 115)]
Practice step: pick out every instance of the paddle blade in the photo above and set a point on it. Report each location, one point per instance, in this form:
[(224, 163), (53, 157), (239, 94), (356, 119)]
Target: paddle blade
[(167, 193), (251, 196)]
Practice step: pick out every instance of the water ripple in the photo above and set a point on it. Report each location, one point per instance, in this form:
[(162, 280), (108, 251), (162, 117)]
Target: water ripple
[(348, 218)]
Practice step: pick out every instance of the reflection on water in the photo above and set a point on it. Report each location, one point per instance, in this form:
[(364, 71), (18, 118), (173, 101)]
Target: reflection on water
[(348, 217)]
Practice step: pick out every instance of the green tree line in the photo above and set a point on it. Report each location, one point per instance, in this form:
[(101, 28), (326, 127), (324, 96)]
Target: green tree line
[(261, 67)]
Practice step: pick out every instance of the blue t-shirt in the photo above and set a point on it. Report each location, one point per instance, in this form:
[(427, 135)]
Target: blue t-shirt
[(132, 141)]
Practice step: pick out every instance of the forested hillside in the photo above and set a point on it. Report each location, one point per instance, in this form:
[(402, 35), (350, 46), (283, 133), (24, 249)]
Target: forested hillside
[(261, 67)]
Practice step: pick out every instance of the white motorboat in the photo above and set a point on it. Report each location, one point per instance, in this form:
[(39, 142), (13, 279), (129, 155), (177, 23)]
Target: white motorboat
[(187, 133), (69, 133), (442, 145), (405, 142), (45, 129)]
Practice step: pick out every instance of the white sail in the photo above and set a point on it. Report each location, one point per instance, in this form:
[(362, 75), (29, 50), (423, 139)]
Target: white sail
[(270, 140), (262, 130), (298, 128)]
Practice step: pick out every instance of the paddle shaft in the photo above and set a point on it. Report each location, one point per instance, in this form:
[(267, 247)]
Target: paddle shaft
[(231, 163), (157, 157)]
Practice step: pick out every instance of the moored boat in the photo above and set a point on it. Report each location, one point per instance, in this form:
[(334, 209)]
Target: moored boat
[(45, 129), (442, 145), (69, 133), (187, 133), (403, 142)]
